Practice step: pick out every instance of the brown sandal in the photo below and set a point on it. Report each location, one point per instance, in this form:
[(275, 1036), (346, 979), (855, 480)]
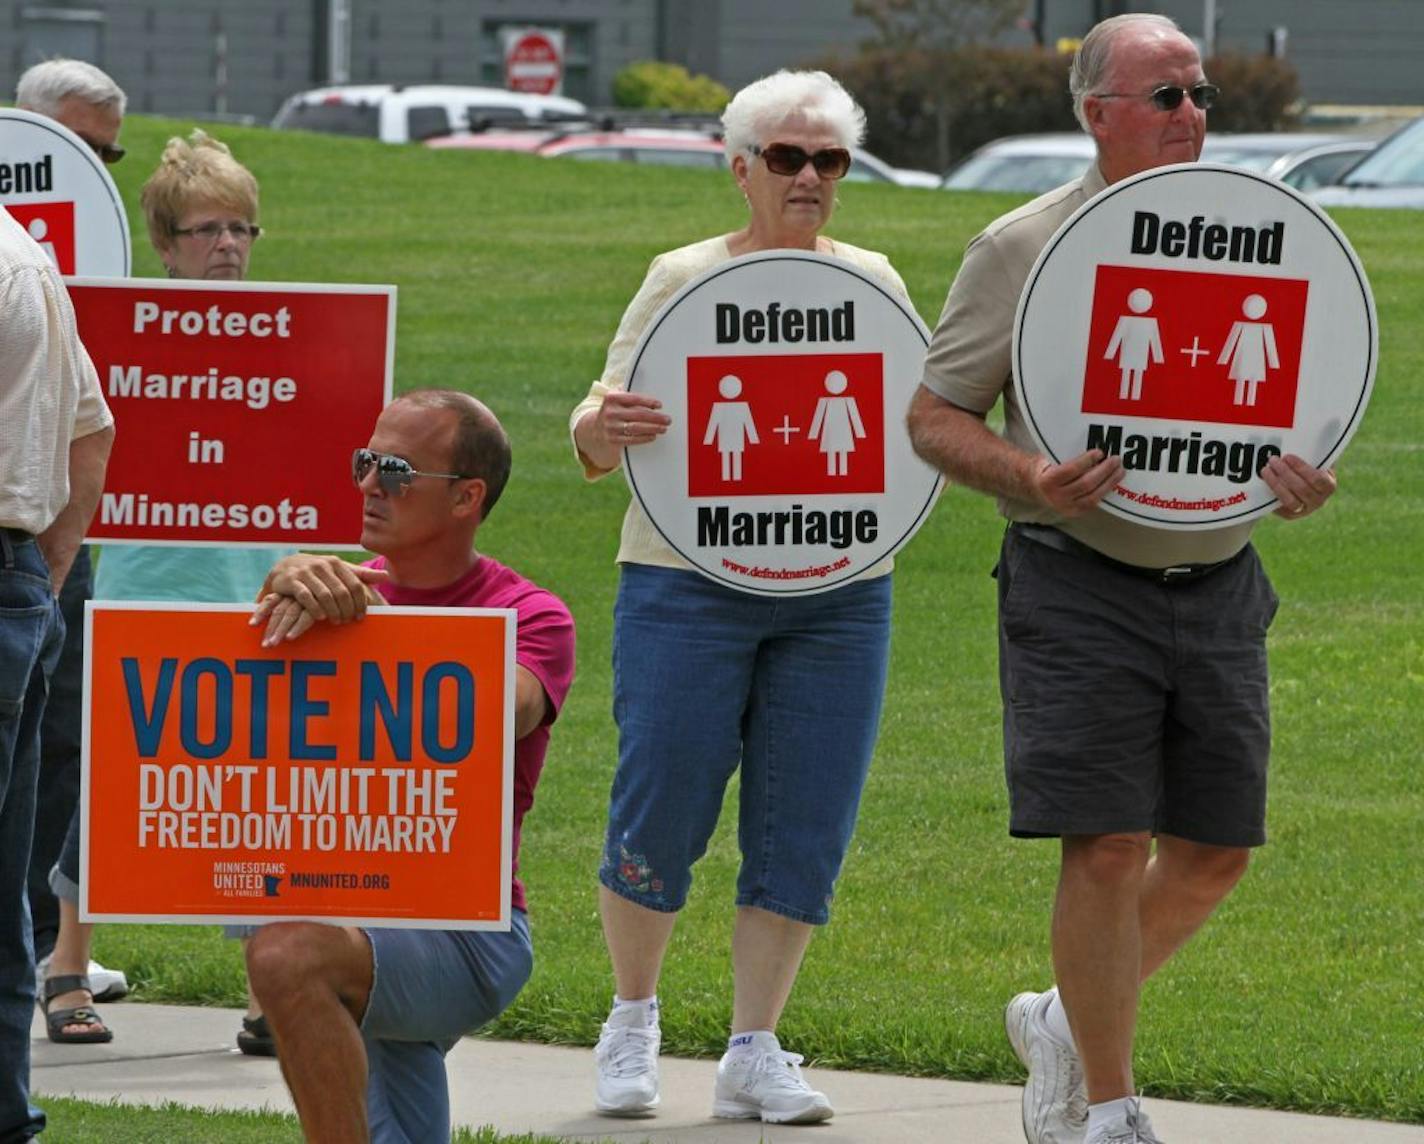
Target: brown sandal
[(94, 1031)]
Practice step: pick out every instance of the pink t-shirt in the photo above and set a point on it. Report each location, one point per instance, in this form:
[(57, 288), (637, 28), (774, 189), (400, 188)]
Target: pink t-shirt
[(543, 645)]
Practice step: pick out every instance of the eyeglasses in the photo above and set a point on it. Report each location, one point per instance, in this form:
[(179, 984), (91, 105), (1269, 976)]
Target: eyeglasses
[(393, 473), (1169, 96), (109, 153), (211, 232), (786, 159)]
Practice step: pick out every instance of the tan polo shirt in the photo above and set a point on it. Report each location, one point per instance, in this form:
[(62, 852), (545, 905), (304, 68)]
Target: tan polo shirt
[(970, 364)]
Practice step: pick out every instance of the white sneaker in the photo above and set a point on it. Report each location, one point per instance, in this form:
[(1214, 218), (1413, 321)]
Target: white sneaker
[(765, 1083), (627, 1056), (1137, 1130), (105, 984), (1055, 1099)]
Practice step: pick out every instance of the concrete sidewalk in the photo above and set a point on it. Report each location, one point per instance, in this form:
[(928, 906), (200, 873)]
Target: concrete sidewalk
[(185, 1054)]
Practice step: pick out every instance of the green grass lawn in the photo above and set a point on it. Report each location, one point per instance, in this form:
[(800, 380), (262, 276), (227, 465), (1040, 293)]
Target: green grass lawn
[(88, 1122), (1303, 993)]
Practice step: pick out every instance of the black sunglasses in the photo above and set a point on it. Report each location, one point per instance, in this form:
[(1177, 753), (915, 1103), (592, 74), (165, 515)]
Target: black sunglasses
[(1169, 96), (785, 159), (109, 153), (393, 473)]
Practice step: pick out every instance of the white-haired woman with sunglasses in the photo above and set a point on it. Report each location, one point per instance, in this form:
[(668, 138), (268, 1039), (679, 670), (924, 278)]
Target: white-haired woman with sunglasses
[(707, 678), (201, 210)]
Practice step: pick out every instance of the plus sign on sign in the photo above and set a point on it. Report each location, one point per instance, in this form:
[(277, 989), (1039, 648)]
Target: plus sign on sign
[(534, 60), (1196, 321)]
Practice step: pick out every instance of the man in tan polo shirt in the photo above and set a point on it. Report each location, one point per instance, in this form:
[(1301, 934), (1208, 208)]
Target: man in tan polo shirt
[(55, 435), (1132, 659)]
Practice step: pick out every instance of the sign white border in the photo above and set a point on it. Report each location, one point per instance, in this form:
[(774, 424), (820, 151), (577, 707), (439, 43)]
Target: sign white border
[(629, 455), (247, 286), (506, 875), (121, 218), (1113, 504)]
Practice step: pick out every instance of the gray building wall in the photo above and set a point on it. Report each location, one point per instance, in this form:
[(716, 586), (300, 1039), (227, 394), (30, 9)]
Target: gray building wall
[(190, 57), (180, 57)]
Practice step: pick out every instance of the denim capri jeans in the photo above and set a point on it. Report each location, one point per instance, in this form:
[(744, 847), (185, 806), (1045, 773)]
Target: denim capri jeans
[(706, 678)]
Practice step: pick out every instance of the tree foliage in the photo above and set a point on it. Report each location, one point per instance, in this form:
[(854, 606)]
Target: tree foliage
[(1258, 93), (933, 89), (938, 25), (653, 84)]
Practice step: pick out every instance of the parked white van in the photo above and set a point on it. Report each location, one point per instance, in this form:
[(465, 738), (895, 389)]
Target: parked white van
[(409, 113)]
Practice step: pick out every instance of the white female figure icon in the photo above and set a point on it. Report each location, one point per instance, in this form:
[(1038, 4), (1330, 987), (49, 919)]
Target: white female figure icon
[(837, 422), (1136, 343), (39, 231), (1251, 350), (730, 427)]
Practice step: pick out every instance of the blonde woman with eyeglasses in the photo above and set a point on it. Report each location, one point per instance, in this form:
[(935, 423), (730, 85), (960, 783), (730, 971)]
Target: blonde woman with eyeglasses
[(201, 210)]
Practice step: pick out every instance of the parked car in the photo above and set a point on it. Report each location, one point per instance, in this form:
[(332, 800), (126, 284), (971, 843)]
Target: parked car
[(404, 114), (866, 168), (1321, 166), (654, 146), (1037, 163), (651, 146), (1392, 175), (1031, 164), (528, 140), (1265, 151)]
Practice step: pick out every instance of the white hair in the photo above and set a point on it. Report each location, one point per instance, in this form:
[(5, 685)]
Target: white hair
[(46, 85), (1090, 61), (810, 96)]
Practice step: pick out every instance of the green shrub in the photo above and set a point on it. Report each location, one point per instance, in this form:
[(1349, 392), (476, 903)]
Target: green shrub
[(1258, 93), (653, 84)]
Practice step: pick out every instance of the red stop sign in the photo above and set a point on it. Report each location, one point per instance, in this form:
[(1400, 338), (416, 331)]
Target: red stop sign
[(534, 64)]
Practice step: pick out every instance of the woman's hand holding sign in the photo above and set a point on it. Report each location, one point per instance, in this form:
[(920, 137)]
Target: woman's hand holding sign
[(303, 589), (623, 420)]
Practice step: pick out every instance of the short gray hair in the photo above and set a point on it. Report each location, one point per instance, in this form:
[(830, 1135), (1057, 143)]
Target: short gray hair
[(767, 103), (46, 85), (1090, 61)]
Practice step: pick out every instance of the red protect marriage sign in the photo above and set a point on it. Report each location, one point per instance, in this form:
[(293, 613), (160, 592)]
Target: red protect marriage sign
[(1188, 346), (785, 424), (237, 406)]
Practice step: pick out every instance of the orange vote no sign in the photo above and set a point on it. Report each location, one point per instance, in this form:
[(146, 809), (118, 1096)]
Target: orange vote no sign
[(361, 774)]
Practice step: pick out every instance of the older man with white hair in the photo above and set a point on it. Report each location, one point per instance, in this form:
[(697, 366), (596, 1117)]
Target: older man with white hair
[(55, 435), (1132, 659), (80, 96), (87, 101)]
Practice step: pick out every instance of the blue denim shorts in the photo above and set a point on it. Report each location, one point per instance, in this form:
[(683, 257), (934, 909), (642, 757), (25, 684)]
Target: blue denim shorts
[(430, 988), (706, 678)]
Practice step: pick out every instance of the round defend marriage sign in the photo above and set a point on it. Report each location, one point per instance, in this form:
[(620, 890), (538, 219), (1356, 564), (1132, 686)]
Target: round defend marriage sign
[(787, 469), (1196, 321), (362, 774), (56, 188)]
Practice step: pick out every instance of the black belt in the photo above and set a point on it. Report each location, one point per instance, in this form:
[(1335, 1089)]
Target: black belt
[(17, 534), (1060, 541)]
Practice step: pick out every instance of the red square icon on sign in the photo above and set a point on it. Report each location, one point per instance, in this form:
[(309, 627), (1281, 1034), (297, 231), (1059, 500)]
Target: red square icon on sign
[(1187, 346), (785, 425), (52, 226)]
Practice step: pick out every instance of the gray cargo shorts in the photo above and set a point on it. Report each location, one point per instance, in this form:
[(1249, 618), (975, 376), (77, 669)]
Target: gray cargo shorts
[(1133, 704)]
